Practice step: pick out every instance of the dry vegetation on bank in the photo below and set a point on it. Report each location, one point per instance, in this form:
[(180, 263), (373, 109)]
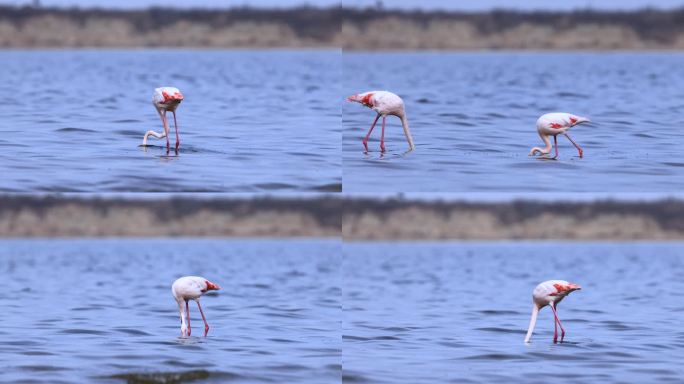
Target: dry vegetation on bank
[(602, 220), (347, 28), (353, 218), (591, 30), (156, 27), (25, 216)]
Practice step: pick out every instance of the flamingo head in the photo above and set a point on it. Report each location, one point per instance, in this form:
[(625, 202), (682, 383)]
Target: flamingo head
[(363, 98), (211, 286), (175, 97), (574, 287), (565, 289), (579, 120)]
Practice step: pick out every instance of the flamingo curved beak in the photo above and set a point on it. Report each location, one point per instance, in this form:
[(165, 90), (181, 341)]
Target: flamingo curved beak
[(574, 287), (353, 98), (212, 287)]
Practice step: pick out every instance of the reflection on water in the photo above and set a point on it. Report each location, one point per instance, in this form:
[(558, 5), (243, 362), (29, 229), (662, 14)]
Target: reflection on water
[(77, 311), (473, 116), (251, 121), (458, 312)]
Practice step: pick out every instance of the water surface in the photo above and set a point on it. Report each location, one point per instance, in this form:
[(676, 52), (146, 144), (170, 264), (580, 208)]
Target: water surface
[(458, 313), (251, 121), (473, 118), (102, 311)]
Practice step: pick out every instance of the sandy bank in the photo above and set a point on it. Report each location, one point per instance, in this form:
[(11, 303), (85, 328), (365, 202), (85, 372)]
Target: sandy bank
[(235, 28), (74, 217), (506, 30), (602, 220), (355, 219)]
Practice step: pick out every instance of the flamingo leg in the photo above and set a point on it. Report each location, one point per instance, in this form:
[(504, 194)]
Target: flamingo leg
[(206, 325), (175, 123), (555, 145), (579, 149), (557, 320), (555, 327), (166, 129), (382, 137), (365, 140), (187, 313)]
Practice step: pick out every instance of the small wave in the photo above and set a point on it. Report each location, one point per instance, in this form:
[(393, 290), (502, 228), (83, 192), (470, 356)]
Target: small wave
[(284, 315), (73, 129), (127, 121), (283, 341), (42, 368), (259, 286), (274, 186), (37, 353), (396, 329), (174, 377), (288, 367), (570, 95), (498, 312), (354, 378), (495, 357), (500, 330), (133, 332), (452, 344), (644, 135), (334, 187), (354, 338), (78, 331)]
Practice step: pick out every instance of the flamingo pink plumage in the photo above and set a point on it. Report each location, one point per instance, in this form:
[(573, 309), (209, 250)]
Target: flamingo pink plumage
[(191, 288), (550, 293), (554, 124), (165, 99), (385, 104)]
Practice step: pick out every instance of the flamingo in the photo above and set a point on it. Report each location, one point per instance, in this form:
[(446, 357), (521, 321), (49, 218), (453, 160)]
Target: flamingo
[(385, 104), (191, 288), (554, 124), (550, 293), (165, 99)]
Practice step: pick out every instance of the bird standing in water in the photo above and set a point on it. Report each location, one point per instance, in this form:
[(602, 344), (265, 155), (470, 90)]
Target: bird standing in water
[(385, 104), (554, 124), (165, 99), (191, 288), (550, 293)]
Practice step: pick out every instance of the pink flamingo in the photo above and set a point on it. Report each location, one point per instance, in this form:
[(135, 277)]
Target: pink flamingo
[(554, 124), (385, 104), (191, 288), (550, 293), (165, 99)]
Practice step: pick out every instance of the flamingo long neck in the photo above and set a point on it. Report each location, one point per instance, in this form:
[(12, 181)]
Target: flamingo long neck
[(407, 132), (547, 148), (533, 322)]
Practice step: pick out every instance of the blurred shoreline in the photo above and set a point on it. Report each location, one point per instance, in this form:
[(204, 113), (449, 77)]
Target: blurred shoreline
[(648, 29), (243, 27), (398, 219), (353, 29), (352, 218), (52, 216)]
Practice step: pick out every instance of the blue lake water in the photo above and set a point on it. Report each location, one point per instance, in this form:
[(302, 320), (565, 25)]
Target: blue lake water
[(472, 116), (251, 121), (458, 312), (102, 311)]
